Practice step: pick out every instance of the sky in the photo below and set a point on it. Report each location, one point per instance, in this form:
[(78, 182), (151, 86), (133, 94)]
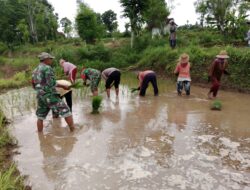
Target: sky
[(183, 10)]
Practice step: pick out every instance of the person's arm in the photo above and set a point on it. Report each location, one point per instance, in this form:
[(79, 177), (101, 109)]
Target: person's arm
[(211, 71), (176, 71), (140, 81), (225, 67), (50, 78), (104, 76), (65, 69)]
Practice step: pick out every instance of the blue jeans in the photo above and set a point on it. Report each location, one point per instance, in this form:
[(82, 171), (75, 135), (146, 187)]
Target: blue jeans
[(185, 84), (172, 43), (150, 77)]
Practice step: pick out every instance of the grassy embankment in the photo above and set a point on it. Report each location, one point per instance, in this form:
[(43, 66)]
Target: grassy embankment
[(202, 46), (9, 176)]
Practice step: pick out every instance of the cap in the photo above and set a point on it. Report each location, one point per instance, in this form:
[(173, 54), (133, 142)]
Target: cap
[(45, 55)]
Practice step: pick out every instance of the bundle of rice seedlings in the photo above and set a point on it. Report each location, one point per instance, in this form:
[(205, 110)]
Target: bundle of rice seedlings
[(133, 90), (96, 104), (216, 105), (76, 85)]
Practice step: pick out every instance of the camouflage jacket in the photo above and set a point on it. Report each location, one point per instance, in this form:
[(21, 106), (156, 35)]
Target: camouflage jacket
[(90, 74), (43, 80)]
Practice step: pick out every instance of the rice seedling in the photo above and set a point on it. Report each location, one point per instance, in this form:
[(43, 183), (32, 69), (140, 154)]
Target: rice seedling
[(96, 104), (133, 90), (76, 85), (216, 105)]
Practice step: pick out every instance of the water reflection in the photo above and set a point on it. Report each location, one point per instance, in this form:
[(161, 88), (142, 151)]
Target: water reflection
[(140, 143), (55, 146)]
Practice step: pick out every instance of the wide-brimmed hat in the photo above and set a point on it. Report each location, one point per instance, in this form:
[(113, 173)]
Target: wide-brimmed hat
[(45, 55), (222, 55), (184, 58)]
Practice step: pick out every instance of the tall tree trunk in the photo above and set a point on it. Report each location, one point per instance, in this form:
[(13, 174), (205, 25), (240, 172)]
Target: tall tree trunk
[(31, 23), (132, 39)]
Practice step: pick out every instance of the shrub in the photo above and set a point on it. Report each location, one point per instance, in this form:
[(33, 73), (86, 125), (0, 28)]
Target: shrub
[(157, 58), (98, 52), (3, 47), (68, 54)]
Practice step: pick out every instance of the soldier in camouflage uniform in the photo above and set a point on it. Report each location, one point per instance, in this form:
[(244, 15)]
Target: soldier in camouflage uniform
[(94, 76), (44, 82)]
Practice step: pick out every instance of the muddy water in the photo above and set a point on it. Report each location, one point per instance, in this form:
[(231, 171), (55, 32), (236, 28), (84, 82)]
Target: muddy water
[(164, 142)]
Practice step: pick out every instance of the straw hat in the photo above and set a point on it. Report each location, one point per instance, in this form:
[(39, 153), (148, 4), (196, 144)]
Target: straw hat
[(184, 58), (45, 55), (222, 55)]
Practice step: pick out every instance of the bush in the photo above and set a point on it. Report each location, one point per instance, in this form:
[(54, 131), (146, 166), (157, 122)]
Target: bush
[(3, 47), (144, 41), (158, 58), (98, 52), (68, 54)]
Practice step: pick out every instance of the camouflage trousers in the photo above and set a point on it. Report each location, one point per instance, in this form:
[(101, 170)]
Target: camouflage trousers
[(51, 102), (94, 81)]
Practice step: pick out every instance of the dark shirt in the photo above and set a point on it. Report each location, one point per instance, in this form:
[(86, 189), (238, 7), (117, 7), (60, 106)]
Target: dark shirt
[(217, 68)]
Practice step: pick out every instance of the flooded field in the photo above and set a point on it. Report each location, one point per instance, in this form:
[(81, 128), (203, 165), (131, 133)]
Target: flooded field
[(163, 143)]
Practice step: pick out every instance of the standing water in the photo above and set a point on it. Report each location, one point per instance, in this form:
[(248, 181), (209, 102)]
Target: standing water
[(135, 143)]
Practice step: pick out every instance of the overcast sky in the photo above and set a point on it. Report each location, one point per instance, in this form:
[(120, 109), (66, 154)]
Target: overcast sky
[(183, 10)]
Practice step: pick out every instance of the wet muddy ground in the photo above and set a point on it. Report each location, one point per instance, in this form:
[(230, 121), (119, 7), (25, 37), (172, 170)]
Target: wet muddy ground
[(166, 142)]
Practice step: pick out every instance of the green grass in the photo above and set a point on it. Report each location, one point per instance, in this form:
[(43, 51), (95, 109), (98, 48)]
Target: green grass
[(9, 180), (18, 80), (9, 176)]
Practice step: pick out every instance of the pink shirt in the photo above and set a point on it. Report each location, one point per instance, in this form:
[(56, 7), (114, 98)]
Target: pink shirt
[(68, 67), (184, 72), (143, 74)]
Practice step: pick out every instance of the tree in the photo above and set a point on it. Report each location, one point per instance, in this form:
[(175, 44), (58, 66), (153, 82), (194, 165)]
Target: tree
[(127, 32), (156, 13), (133, 9), (22, 20), (23, 28), (215, 11), (67, 26), (110, 21), (87, 24), (228, 16), (11, 12)]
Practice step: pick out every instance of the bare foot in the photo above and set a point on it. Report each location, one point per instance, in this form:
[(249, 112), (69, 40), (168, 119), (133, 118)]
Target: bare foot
[(71, 128), (209, 96)]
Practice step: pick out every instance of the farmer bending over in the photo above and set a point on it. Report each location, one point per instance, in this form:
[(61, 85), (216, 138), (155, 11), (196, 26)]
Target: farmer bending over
[(44, 82), (94, 76), (111, 75), (144, 78), (69, 69)]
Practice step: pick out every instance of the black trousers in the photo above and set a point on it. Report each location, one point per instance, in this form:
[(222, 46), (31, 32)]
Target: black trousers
[(115, 77), (150, 77), (68, 98)]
